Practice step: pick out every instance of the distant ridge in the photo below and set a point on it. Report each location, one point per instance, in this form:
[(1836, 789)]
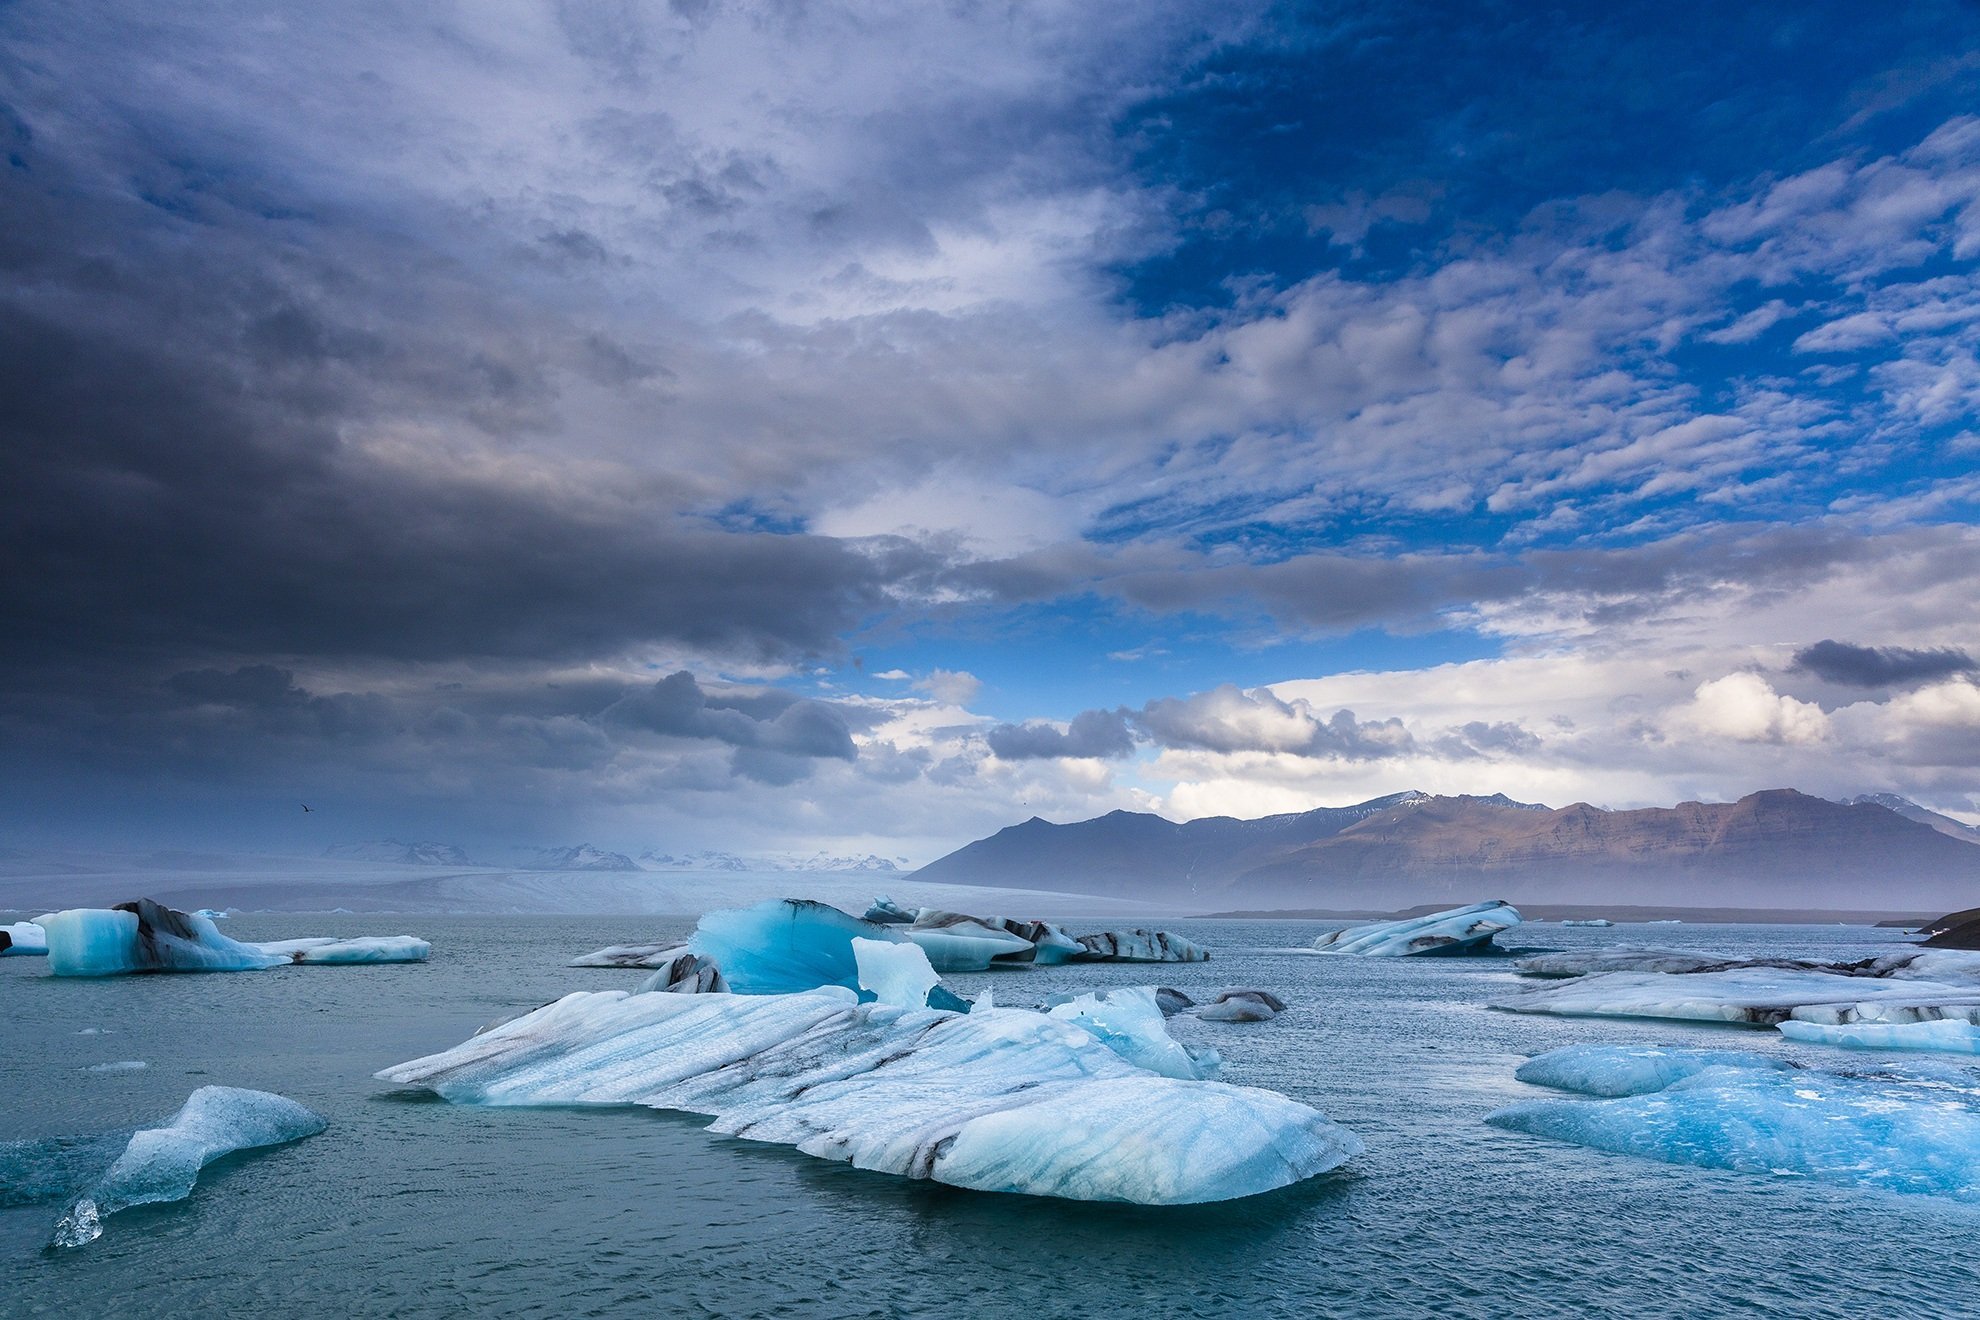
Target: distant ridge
[(1775, 849), (391, 850), (1910, 810)]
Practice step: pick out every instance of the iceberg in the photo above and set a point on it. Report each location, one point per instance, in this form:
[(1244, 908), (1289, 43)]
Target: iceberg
[(1050, 944), (143, 936), (1615, 1070), (685, 973), (789, 945), (162, 1163), (1589, 921), (644, 956), (23, 939), (1884, 1132), (1621, 958), (1941, 1035), (886, 912), (995, 1100), (1458, 931), (362, 949), (956, 943), (1140, 946), (1129, 1022), (897, 974), (1241, 1006), (1172, 1001)]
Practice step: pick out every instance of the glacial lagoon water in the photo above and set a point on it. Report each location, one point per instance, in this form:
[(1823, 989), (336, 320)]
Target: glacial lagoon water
[(408, 1207)]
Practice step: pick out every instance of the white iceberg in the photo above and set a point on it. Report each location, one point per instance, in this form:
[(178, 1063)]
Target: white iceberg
[(1587, 921), (1940, 1035), (143, 936), (996, 1100), (645, 956), (957, 943), (1147, 946), (359, 949), (23, 939), (897, 974), (1614, 1070), (1884, 1132), (1129, 1022), (1457, 931), (161, 1164)]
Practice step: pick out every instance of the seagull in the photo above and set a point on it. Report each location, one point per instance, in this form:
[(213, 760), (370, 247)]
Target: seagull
[(305, 806)]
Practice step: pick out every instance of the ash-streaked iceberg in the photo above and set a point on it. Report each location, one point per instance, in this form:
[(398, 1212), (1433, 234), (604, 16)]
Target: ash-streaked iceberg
[(143, 936), (1615, 1070), (1128, 1021), (1242, 1005), (1887, 1132), (639, 956), (1139, 946), (1457, 932), (162, 1163), (1002, 1100), (958, 943), (23, 939), (1621, 958), (1939, 1035), (682, 971), (357, 949)]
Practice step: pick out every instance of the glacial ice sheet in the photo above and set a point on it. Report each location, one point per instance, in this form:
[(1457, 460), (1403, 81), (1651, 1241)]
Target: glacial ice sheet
[(1128, 1020), (162, 1163), (1757, 995), (958, 943), (896, 974), (1940, 1035), (143, 936), (998, 1100), (1883, 1132), (23, 939), (1455, 931), (1616, 1070), (360, 949)]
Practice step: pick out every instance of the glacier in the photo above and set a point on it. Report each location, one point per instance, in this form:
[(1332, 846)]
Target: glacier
[(23, 939), (1129, 1021), (1887, 1131), (1940, 1035), (143, 936), (162, 1163), (1004, 1100), (1456, 931), (1617, 1070)]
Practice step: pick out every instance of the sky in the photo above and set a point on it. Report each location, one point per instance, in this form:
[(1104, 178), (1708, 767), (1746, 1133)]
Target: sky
[(775, 427)]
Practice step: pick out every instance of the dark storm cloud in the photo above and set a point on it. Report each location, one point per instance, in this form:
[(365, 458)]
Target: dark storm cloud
[(1096, 733), (678, 707), (1880, 666)]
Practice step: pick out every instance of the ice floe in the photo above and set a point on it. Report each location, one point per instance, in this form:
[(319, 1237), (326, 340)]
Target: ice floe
[(23, 939), (162, 1163), (1939, 1035), (997, 1100), (143, 936), (1884, 1131), (1456, 931)]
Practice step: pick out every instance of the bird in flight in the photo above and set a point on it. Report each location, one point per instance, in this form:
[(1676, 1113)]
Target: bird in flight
[(305, 806)]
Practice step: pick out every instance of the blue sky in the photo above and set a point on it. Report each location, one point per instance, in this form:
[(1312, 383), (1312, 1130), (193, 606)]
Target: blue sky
[(1188, 408)]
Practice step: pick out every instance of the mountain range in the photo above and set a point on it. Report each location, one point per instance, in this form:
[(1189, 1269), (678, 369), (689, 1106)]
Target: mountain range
[(1778, 849)]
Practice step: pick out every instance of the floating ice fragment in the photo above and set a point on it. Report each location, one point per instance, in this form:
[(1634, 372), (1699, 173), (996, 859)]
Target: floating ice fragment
[(1456, 931), (997, 1100), (363, 949), (1589, 921), (682, 971), (1613, 1070), (1241, 1006), (631, 955), (1942, 1035), (161, 1164), (23, 939), (121, 1065), (143, 936), (886, 912)]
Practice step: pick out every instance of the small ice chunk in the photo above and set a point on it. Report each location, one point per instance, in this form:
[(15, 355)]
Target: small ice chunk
[(1613, 1070), (1129, 1022), (23, 939), (121, 1065), (886, 912), (1458, 931), (1241, 1006), (1172, 1001), (1588, 921), (1942, 1035), (162, 1163), (897, 974)]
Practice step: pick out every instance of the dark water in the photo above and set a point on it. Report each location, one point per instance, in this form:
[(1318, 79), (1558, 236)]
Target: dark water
[(414, 1208)]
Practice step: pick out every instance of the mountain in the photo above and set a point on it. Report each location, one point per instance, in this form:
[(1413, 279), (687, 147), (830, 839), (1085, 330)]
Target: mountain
[(582, 857), (391, 850), (1774, 849), (1910, 810)]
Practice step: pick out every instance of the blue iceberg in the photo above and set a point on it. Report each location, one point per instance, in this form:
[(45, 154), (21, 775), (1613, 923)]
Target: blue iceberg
[(1938, 1035), (789, 945), (143, 936), (1004, 1100), (1615, 1070), (1883, 1132), (162, 1163), (1454, 932)]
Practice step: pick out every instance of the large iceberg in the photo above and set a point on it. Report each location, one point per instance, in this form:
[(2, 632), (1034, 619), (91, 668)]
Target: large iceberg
[(1912, 986), (22, 939), (1129, 1022), (1139, 946), (996, 1100), (143, 936), (162, 1163), (957, 943), (1940, 1035), (1456, 931), (1886, 1132)]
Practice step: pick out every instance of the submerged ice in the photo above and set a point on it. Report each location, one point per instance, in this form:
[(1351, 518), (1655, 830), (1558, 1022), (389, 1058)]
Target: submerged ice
[(996, 1100), (1455, 931), (162, 1163), (1759, 1115)]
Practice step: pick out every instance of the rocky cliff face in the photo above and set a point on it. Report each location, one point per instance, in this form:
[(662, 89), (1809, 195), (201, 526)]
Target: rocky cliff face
[(1777, 848)]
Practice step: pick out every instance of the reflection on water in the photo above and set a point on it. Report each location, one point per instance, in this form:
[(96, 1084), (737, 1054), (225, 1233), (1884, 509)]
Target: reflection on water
[(413, 1208)]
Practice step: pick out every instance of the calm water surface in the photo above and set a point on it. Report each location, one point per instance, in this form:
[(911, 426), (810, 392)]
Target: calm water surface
[(416, 1208)]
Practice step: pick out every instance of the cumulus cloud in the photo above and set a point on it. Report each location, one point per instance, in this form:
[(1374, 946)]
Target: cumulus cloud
[(1880, 666), (1091, 733), (1743, 707), (677, 706)]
